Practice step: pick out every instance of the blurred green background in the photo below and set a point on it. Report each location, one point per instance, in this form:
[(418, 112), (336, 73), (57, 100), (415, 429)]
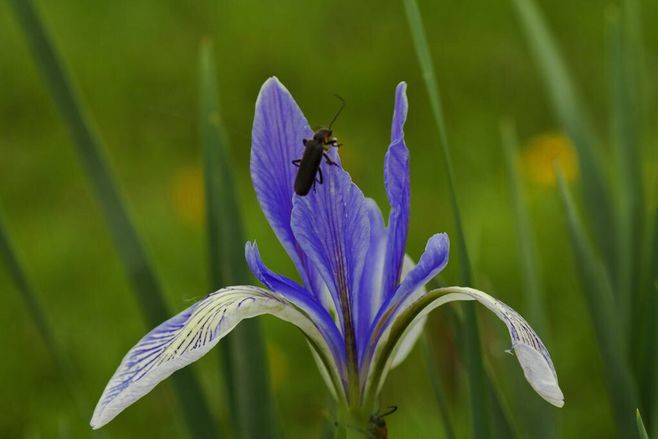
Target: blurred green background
[(136, 66)]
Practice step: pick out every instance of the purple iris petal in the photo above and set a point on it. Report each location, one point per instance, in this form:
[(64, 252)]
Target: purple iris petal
[(299, 297), (277, 139), (370, 291), (332, 227), (432, 261), (396, 179)]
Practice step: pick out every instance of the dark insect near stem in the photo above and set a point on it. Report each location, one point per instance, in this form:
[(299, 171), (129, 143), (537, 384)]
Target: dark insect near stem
[(314, 150), (377, 425)]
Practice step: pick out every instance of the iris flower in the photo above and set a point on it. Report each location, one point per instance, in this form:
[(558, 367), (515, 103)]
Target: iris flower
[(361, 303)]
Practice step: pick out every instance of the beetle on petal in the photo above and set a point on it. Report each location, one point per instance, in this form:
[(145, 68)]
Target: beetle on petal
[(362, 302)]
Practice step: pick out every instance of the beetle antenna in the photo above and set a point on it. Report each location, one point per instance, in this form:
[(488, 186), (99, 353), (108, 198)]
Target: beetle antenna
[(392, 409), (339, 110)]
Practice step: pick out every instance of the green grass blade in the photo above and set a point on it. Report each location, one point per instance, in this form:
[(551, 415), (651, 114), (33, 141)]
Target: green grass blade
[(641, 431), (629, 212), (654, 371), (570, 112), (473, 355), (91, 154), (601, 306), (28, 294), (651, 330), (635, 51), (638, 317), (437, 387), (503, 420), (427, 69), (542, 422), (246, 361), (18, 275), (529, 266), (9, 256)]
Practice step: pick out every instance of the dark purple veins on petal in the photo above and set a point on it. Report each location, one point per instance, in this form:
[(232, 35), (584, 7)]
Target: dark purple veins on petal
[(331, 225)]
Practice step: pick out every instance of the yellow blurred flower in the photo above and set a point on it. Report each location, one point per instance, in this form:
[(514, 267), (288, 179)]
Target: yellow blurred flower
[(540, 153), (187, 196)]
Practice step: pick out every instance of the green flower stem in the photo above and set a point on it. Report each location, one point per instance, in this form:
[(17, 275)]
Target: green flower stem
[(352, 424)]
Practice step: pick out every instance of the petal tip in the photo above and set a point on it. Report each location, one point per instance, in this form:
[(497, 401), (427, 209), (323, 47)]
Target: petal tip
[(270, 86), (555, 397), (439, 241), (539, 373), (274, 82), (97, 420), (400, 110), (443, 236), (558, 403)]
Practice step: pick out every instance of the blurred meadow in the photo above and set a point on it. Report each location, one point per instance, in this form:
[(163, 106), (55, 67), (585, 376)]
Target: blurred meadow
[(585, 277)]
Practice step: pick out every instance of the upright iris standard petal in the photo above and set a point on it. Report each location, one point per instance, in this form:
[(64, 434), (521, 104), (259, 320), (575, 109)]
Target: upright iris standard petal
[(188, 336), (277, 139), (332, 227), (397, 181), (371, 295)]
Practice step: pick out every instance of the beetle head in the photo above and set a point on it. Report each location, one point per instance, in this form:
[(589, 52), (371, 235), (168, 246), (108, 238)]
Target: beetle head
[(323, 135)]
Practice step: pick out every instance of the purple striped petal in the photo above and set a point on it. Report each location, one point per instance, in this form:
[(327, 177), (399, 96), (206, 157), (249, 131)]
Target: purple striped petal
[(299, 297), (396, 179), (332, 227), (370, 291), (277, 139)]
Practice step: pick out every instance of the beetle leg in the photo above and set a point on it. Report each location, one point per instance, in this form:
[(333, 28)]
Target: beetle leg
[(317, 180), (329, 161), (333, 142), (297, 162)]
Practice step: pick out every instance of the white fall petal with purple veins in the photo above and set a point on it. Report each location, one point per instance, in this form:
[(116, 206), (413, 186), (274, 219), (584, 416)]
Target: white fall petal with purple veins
[(361, 303), (185, 338)]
